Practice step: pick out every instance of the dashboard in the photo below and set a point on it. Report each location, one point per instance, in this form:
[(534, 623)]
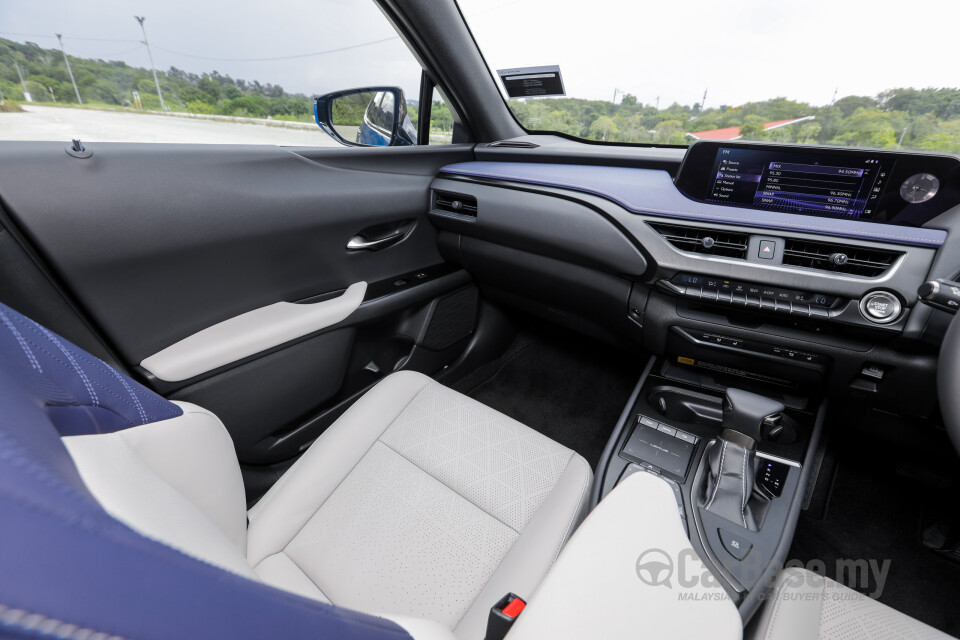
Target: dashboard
[(779, 288), (884, 187), (791, 271)]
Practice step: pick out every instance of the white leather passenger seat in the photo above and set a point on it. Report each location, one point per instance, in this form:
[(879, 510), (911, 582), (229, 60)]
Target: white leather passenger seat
[(418, 502), (807, 606)]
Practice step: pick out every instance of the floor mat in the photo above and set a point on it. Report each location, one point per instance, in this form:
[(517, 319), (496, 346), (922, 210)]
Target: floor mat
[(570, 389), (875, 513)]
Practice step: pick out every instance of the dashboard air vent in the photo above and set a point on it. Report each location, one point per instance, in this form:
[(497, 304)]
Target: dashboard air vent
[(713, 242), (840, 258), (514, 144), (457, 203)]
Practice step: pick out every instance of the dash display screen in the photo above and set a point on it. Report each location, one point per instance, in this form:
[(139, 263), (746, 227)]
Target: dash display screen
[(799, 183)]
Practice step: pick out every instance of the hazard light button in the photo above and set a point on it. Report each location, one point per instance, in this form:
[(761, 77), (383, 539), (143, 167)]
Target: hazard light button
[(768, 248)]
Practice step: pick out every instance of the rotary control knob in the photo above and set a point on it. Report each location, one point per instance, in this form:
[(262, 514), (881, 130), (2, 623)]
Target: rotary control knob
[(880, 307), (919, 188)]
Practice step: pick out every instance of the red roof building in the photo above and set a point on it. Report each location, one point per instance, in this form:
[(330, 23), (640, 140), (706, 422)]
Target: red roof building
[(733, 133)]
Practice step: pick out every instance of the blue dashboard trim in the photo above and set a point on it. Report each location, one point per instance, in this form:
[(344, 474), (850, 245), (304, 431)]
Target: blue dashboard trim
[(652, 192)]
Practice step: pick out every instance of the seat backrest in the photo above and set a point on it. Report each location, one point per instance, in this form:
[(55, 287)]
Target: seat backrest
[(68, 565)]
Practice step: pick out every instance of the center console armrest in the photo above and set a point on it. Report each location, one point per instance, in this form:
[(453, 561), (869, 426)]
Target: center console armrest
[(630, 571)]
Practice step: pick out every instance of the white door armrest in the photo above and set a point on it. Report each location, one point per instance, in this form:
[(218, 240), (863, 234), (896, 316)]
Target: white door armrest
[(250, 333)]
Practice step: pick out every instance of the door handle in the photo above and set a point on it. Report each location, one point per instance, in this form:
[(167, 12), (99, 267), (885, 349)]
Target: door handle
[(359, 243)]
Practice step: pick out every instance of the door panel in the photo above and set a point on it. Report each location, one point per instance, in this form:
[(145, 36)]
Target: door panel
[(162, 241), (155, 243)]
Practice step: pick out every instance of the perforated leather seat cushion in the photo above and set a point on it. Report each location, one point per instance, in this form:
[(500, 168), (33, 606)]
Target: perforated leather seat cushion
[(806, 606), (420, 501)]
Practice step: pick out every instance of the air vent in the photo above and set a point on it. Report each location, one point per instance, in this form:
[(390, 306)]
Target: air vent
[(514, 144), (840, 258), (711, 242), (457, 203)]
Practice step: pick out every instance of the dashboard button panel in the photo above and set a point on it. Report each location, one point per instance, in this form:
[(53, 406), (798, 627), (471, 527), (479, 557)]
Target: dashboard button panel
[(751, 296)]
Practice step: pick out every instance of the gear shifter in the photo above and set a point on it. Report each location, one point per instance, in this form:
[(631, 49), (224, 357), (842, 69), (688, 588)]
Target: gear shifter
[(731, 460)]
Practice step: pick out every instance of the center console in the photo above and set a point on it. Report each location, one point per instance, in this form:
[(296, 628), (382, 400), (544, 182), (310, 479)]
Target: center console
[(736, 459), (628, 571)]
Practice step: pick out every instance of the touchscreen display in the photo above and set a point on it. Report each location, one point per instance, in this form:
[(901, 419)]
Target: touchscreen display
[(840, 186)]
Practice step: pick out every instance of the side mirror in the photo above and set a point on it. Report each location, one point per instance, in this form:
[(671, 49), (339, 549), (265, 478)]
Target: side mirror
[(367, 117)]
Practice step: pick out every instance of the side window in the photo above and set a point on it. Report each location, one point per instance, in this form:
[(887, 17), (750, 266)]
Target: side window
[(257, 85), (441, 121)]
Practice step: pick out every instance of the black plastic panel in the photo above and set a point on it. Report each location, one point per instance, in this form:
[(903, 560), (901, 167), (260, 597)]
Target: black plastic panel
[(274, 393), (586, 300), (548, 226), (160, 241)]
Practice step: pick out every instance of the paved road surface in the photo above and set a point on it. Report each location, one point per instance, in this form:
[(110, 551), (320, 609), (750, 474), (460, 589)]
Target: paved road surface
[(64, 123)]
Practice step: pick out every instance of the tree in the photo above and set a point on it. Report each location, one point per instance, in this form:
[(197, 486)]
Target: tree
[(867, 128), (667, 132), (752, 127), (603, 127), (848, 104), (440, 117), (209, 89)]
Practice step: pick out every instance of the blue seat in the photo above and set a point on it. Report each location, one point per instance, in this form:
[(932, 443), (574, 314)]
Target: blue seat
[(66, 565), (123, 513)]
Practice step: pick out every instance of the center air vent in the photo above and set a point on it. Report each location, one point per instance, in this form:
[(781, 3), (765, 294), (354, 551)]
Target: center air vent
[(458, 203), (839, 258), (707, 241)]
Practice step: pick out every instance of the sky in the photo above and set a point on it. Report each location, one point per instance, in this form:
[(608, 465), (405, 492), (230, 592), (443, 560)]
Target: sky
[(739, 50), (668, 49), (187, 33)]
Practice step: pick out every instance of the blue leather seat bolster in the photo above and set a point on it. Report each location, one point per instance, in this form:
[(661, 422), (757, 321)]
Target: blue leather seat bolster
[(64, 558), (84, 394)]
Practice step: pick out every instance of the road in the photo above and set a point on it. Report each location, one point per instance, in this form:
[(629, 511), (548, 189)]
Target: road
[(64, 123)]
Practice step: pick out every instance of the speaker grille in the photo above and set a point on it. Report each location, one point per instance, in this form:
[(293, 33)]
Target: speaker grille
[(453, 319)]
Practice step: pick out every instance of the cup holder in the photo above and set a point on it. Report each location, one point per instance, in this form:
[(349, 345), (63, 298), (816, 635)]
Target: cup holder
[(685, 406), (689, 407)]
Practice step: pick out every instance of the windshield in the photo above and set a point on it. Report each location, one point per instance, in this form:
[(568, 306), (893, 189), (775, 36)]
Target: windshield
[(862, 74)]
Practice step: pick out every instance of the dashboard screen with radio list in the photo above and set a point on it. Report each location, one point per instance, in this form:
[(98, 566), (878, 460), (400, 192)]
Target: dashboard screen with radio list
[(837, 186)]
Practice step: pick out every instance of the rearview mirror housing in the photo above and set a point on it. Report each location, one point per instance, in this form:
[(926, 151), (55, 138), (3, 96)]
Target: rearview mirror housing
[(366, 117)]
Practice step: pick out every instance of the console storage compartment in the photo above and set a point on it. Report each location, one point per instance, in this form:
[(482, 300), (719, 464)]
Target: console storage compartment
[(630, 570)]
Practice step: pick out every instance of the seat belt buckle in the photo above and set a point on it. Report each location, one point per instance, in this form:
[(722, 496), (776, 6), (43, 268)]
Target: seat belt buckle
[(503, 615)]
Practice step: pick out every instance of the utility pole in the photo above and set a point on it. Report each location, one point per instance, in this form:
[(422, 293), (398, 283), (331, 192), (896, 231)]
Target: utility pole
[(658, 103), (69, 70), (615, 92), (26, 94), (140, 19), (834, 98), (704, 101)]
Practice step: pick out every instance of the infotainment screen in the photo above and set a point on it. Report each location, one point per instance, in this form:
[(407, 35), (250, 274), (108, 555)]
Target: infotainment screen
[(870, 185), (841, 186)]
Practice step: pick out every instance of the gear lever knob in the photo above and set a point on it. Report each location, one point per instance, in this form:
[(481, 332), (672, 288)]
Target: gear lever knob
[(745, 412)]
